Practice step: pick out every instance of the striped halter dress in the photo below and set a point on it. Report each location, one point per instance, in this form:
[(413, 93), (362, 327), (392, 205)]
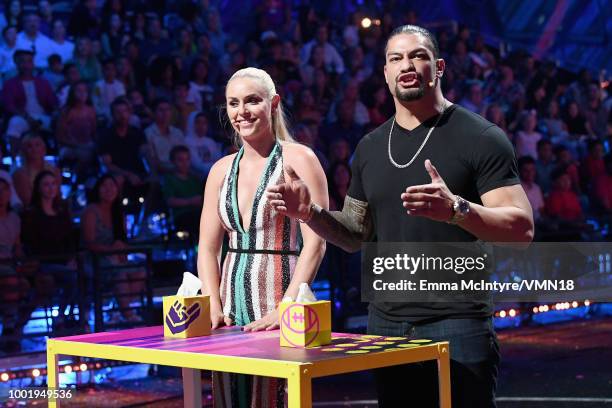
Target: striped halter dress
[(255, 275)]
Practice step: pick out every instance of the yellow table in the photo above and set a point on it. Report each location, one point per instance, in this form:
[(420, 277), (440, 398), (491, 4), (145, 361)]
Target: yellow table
[(231, 350)]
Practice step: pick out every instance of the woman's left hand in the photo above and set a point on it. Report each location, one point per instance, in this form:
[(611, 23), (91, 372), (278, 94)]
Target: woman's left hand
[(268, 322)]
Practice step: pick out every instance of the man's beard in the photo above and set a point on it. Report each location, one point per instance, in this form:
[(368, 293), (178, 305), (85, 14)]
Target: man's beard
[(411, 94)]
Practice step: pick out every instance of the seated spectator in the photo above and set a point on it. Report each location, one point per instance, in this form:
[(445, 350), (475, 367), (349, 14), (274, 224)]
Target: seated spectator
[(339, 150), (183, 108), (563, 203), (527, 138), (103, 229), (33, 40), (183, 192), (304, 135), (76, 131), (86, 61), (495, 115), (47, 232), (527, 173), (55, 71), (6, 176), (358, 71), (7, 51), (565, 160), (61, 46), (29, 100), (338, 179), (125, 72), (162, 137), (122, 147), (345, 125), (200, 92), (107, 89), (350, 95), (316, 61), (45, 12), (595, 111), (14, 286), (603, 186), (113, 36), (555, 127), (71, 77), (333, 60), (473, 100), (204, 150), (155, 45), (142, 116), (33, 162), (593, 164), (545, 165), (377, 103), (575, 121), (306, 108)]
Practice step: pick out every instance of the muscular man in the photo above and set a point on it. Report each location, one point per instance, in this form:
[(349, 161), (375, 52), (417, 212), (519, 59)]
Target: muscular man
[(467, 189)]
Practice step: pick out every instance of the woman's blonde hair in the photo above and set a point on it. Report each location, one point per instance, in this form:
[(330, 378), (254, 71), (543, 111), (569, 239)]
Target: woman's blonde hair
[(279, 120)]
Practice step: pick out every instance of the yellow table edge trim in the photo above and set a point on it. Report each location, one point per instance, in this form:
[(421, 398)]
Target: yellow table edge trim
[(173, 358)]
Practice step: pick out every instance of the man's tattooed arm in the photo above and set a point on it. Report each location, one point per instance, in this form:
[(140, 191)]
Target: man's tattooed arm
[(347, 228)]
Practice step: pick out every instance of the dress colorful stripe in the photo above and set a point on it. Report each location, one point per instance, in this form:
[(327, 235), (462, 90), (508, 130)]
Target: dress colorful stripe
[(252, 284)]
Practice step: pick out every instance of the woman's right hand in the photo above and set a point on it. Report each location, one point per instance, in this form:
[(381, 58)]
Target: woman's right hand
[(218, 319)]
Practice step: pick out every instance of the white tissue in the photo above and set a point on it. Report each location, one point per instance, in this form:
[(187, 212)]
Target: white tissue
[(190, 286), (305, 295)]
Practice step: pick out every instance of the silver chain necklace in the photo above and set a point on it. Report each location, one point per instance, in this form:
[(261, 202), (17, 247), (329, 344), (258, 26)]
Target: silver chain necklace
[(403, 166)]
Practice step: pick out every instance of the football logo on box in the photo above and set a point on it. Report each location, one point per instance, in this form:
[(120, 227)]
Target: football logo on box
[(299, 320)]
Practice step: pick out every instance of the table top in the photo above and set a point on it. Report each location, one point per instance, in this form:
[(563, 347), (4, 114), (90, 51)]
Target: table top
[(233, 342)]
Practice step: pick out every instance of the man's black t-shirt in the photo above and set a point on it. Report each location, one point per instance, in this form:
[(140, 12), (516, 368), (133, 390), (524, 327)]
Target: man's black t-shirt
[(124, 151), (472, 155)]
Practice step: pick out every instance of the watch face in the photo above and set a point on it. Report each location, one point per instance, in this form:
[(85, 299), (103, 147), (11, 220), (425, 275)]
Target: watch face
[(464, 206)]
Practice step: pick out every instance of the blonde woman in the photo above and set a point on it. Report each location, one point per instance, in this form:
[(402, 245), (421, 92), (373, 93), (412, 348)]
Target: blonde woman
[(269, 254)]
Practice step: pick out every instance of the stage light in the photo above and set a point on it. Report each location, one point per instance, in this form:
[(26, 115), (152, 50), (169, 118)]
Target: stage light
[(125, 201), (366, 23), (512, 312), (545, 308), (36, 372), (67, 369), (587, 302), (502, 314), (75, 368), (376, 21), (535, 309), (141, 200), (4, 377), (83, 367), (574, 304)]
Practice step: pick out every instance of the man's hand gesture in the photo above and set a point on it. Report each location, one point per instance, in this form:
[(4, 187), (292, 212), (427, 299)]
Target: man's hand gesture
[(291, 198), (434, 200)]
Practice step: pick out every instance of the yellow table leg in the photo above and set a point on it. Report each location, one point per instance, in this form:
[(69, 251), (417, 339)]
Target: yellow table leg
[(444, 382), (52, 374), (300, 388), (192, 388)]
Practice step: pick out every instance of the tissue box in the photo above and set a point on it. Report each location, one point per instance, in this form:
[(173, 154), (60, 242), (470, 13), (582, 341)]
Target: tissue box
[(186, 316), (305, 324)]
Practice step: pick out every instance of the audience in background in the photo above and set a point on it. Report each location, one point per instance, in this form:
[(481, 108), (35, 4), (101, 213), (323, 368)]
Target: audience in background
[(103, 229), (113, 88), (183, 192)]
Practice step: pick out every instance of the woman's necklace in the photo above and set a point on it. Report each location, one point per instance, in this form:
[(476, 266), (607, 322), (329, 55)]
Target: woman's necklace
[(403, 166)]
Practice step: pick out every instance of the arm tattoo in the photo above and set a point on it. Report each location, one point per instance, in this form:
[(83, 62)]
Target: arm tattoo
[(346, 228)]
